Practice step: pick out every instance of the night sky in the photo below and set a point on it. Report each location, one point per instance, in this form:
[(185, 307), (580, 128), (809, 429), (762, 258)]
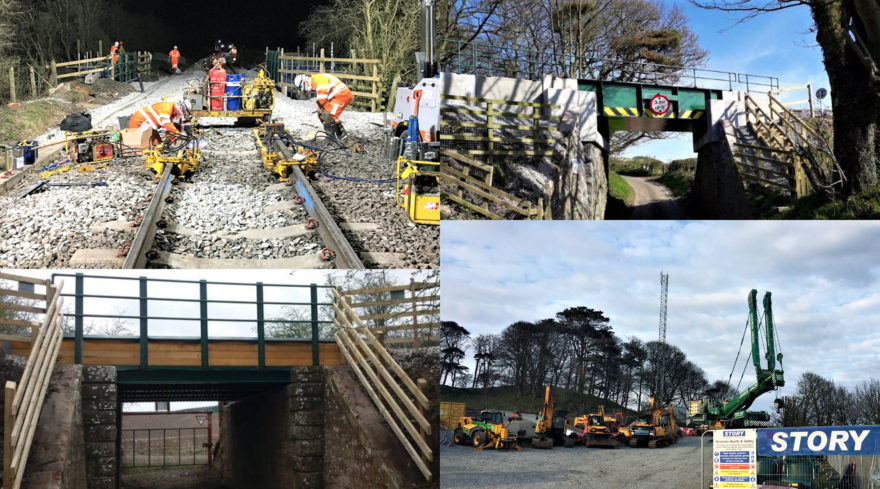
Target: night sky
[(250, 25)]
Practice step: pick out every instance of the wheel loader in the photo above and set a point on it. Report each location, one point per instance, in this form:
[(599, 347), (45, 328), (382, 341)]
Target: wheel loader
[(487, 432)]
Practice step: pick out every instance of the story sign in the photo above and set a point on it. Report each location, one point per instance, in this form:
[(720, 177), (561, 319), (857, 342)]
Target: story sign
[(825, 440), (734, 459)]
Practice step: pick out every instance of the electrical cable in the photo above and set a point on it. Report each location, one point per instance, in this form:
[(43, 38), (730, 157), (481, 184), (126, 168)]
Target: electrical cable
[(741, 341)]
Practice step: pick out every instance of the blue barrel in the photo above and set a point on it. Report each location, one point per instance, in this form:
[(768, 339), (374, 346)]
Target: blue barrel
[(29, 151), (233, 92)]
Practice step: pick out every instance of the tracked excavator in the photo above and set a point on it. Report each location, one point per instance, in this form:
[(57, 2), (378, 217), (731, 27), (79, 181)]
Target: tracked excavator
[(656, 429), (550, 428), (597, 429), (705, 414)]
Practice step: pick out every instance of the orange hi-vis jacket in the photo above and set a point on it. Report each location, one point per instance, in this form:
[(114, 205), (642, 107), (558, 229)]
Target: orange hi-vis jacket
[(175, 56), (160, 114), (113, 49), (333, 95)]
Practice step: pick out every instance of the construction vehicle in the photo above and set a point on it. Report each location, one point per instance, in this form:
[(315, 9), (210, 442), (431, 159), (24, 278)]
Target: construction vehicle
[(597, 429), (654, 430), (705, 414), (280, 153), (487, 432), (550, 428), (254, 102)]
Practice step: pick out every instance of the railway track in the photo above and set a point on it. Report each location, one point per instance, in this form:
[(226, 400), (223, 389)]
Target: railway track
[(230, 214)]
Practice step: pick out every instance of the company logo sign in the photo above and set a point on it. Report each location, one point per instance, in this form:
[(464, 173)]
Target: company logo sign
[(827, 440)]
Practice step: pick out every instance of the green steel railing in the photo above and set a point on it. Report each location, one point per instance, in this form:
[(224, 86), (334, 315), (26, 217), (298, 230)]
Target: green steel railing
[(146, 314)]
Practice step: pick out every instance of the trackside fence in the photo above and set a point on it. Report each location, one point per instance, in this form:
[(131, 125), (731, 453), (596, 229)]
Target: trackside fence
[(24, 399), (401, 400)]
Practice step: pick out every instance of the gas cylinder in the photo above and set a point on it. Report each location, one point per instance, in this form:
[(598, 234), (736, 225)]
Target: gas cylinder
[(217, 84)]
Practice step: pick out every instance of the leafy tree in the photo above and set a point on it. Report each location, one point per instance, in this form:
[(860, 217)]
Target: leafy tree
[(453, 339)]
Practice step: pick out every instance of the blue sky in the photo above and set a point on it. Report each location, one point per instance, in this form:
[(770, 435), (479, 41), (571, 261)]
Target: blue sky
[(773, 44), (824, 276)]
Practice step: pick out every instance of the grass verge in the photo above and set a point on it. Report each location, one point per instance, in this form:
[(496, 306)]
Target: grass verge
[(678, 183), (31, 120), (506, 398), (618, 188)]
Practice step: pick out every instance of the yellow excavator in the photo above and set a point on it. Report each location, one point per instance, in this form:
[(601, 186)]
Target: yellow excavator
[(550, 428), (654, 430), (596, 429)]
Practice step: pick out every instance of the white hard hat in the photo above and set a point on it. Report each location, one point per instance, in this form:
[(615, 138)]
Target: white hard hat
[(175, 47), (116, 43), (185, 106), (303, 82)]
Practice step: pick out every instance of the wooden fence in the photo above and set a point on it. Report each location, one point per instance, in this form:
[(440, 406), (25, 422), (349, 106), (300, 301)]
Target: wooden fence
[(360, 74), (24, 400), (466, 185), (407, 319), (401, 400)]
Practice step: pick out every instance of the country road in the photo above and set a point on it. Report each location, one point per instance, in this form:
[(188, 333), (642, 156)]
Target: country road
[(652, 200)]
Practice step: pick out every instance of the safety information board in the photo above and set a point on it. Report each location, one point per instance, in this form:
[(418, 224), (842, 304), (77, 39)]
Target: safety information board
[(734, 464)]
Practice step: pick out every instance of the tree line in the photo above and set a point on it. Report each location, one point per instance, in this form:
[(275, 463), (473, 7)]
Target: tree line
[(577, 349), (821, 402)]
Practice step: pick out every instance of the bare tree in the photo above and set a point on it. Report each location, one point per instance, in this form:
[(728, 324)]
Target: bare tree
[(848, 32)]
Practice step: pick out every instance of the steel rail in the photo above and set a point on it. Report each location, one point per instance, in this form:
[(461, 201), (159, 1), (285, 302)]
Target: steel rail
[(333, 238), (137, 254)]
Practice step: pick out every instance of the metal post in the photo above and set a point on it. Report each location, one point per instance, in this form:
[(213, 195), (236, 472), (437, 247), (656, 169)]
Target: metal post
[(12, 97), (315, 357), (261, 329), (702, 484), (78, 320), (144, 323), (210, 439), (203, 303)]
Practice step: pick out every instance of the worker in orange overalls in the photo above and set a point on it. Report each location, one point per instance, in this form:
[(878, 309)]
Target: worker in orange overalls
[(332, 96), (160, 115), (114, 51), (173, 58), (233, 54)]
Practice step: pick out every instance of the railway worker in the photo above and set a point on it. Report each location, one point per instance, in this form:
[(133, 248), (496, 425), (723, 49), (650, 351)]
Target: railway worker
[(161, 115), (233, 54), (333, 97), (114, 51), (173, 58)]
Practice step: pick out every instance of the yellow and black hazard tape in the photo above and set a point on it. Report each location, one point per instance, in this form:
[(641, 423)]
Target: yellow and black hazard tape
[(622, 111), (691, 114)]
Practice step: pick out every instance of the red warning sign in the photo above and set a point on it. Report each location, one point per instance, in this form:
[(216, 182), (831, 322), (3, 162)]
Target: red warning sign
[(659, 104)]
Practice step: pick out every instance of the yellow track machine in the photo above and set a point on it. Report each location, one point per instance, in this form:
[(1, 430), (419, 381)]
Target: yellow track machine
[(280, 153), (418, 190), (597, 429), (183, 152), (654, 430), (257, 100), (487, 432)]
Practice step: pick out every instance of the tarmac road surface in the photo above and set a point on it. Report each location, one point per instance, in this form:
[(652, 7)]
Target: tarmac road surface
[(652, 200)]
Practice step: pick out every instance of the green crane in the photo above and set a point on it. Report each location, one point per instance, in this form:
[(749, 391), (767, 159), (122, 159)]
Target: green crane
[(716, 414)]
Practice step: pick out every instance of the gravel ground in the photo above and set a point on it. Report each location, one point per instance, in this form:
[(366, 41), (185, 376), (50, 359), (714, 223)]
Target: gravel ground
[(675, 466)]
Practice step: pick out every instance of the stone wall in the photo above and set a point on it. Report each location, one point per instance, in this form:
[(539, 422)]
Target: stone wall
[(101, 425), (274, 440), (718, 191), (57, 459), (359, 448)]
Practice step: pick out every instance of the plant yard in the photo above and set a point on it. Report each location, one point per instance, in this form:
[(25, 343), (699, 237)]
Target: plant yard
[(676, 466)]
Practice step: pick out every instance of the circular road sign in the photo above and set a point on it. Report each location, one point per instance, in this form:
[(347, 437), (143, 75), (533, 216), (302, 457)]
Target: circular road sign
[(821, 93), (659, 104)]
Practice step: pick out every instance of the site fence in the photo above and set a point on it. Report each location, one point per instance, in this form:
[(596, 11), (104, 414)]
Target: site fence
[(401, 401), (20, 81), (515, 61), (361, 75), (402, 316), (23, 309)]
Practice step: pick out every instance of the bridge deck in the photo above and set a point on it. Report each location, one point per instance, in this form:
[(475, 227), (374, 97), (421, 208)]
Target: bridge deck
[(177, 352)]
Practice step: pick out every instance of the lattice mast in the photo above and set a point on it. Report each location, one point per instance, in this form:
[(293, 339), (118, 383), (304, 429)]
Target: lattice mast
[(664, 291)]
